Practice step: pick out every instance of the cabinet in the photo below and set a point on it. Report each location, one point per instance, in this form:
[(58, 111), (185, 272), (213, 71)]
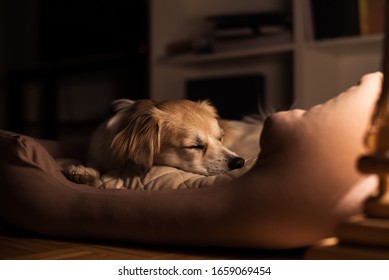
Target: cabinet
[(306, 71)]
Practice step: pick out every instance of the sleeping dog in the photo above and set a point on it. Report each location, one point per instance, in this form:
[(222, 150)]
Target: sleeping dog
[(181, 133)]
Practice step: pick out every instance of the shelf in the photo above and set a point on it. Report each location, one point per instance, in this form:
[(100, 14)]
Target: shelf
[(349, 45), (339, 46), (300, 64), (188, 59)]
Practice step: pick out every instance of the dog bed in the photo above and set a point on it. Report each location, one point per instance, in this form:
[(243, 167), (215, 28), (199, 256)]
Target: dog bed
[(302, 184)]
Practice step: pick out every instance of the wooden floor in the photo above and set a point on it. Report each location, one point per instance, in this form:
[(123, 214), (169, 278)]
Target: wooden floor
[(16, 245)]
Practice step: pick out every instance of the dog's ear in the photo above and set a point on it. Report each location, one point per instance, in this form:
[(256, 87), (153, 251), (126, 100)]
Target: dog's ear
[(122, 104), (137, 140)]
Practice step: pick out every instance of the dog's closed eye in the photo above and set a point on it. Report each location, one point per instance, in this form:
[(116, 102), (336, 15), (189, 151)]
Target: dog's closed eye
[(196, 144), (196, 147)]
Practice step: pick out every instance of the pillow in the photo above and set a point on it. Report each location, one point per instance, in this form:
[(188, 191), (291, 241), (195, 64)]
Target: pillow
[(303, 183)]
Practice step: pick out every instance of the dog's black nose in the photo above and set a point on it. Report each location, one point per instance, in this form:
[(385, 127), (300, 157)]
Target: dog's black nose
[(235, 163)]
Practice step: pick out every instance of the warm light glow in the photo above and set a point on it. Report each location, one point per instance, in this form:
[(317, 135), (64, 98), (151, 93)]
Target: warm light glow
[(377, 138)]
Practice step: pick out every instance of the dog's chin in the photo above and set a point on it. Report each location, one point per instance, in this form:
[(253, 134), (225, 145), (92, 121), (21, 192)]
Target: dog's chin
[(200, 170), (204, 173), (215, 173)]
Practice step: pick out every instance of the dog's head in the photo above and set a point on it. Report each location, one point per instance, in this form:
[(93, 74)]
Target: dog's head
[(181, 133)]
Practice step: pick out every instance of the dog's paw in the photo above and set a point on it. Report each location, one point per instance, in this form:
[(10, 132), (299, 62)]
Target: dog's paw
[(82, 175)]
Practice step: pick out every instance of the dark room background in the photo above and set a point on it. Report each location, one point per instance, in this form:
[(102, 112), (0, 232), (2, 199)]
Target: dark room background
[(63, 61)]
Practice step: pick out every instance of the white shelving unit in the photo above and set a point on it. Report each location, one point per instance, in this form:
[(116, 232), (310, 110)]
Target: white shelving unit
[(308, 71), (187, 59)]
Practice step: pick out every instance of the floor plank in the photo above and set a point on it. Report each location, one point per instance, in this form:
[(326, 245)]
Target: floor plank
[(17, 245)]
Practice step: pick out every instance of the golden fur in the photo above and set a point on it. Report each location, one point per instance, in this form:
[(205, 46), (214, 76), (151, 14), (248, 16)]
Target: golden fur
[(181, 133)]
